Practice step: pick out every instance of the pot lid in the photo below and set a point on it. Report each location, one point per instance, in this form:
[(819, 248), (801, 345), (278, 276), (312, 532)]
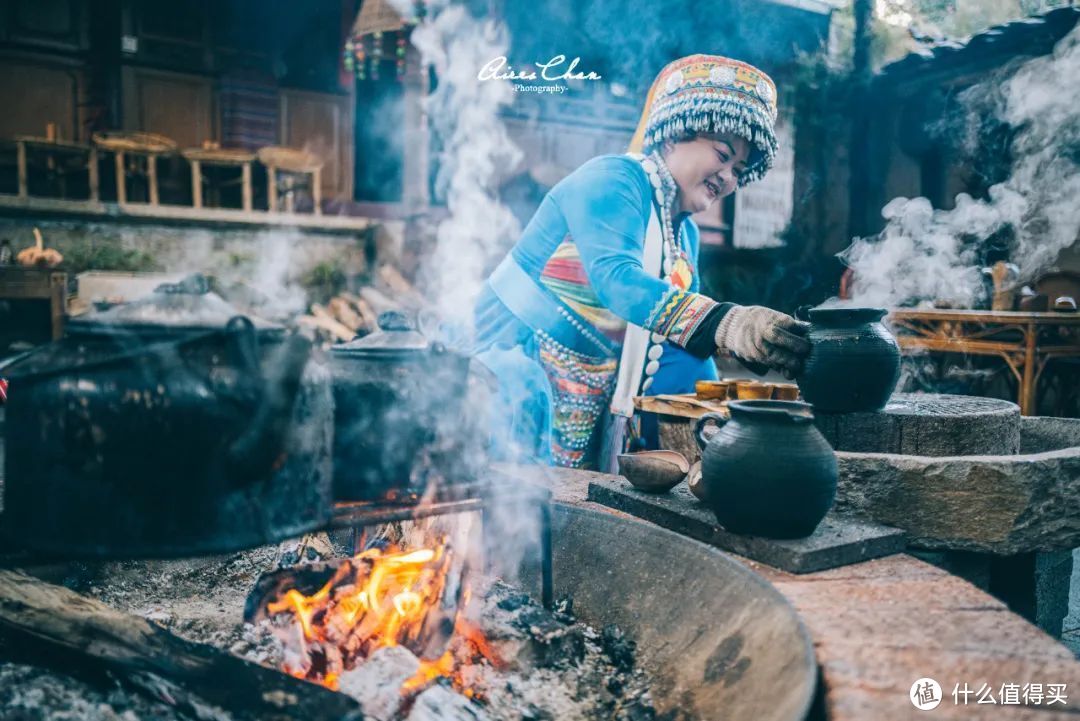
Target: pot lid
[(397, 334), (188, 304)]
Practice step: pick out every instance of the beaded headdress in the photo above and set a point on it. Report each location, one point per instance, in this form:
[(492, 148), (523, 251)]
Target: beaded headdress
[(711, 94)]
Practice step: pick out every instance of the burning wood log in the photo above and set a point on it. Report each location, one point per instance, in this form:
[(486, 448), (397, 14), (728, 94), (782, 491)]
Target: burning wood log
[(377, 681), (201, 680)]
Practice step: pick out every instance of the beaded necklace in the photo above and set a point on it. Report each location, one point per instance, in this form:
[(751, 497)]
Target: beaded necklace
[(676, 267)]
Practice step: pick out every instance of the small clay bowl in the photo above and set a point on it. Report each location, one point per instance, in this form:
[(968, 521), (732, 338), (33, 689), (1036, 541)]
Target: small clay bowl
[(712, 390), (693, 481), (1065, 304), (654, 471), (753, 391), (785, 392)]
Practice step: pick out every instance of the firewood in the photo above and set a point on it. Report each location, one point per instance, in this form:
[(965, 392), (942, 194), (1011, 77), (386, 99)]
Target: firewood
[(344, 313), (72, 630), (380, 302), (365, 311), (328, 321), (395, 281), (377, 681)]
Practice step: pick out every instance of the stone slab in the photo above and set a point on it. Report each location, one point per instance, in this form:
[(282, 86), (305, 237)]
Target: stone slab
[(927, 424), (838, 541), (1000, 504)]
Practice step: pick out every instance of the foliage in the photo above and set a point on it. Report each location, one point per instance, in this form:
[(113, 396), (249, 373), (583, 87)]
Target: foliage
[(324, 280), (81, 257)]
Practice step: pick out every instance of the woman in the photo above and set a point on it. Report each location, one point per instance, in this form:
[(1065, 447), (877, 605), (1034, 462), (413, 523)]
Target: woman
[(598, 301)]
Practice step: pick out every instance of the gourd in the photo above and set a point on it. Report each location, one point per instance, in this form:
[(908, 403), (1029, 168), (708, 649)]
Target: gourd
[(38, 255)]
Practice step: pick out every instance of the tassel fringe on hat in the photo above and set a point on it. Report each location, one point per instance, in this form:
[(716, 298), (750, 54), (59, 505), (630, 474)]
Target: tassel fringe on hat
[(711, 94)]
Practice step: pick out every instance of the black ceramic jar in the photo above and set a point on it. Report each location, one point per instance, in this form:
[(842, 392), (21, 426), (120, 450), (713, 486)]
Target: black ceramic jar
[(854, 361), (767, 471)]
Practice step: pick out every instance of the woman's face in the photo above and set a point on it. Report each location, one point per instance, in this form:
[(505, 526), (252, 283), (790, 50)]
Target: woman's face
[(706, 168)]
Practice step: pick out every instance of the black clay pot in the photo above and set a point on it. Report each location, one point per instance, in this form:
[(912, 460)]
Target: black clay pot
[(170, 426), (854, 361), (768, 471)]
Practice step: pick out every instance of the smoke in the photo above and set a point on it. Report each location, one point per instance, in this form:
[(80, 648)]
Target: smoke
[(476, 151), (925, 254)]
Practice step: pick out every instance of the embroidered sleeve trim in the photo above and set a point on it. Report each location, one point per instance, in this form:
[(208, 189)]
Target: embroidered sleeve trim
[(678, 315)]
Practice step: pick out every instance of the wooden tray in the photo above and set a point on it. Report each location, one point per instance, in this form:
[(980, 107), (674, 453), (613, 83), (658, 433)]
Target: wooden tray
[(685, 405)]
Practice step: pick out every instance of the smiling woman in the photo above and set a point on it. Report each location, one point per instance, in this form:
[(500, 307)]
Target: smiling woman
[(598, 301)]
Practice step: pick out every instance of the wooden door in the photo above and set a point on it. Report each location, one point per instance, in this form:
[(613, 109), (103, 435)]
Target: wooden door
[(321, 123)]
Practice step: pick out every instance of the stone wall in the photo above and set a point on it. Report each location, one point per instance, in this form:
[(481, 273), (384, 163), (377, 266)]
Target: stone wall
[(271, 259)]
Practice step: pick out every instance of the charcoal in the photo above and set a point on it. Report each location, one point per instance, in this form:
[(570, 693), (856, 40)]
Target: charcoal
[(617, 647), (439, 703), (514, 601), (525, 635), (563, 608), (638, 710), (376, 683)]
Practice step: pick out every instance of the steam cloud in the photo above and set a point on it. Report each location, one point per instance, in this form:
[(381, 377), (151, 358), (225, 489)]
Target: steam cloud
[(925, 254), (464, 113)]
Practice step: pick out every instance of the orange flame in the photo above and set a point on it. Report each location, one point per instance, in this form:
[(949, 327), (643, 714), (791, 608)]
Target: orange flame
[(376, 599)]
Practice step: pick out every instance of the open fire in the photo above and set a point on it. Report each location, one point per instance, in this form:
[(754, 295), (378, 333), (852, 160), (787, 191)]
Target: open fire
[(379, 598)]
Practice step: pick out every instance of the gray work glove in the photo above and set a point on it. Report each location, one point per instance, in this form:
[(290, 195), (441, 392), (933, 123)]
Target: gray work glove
[(763, 336)]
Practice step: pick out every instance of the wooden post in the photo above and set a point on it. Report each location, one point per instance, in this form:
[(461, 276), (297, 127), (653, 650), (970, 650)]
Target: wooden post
[(316, 190), (121, 181), (196, 183), (92, 171), (271, 189), (861, 76), (245, 184), (20, 151), (151, 174), (1027, 378), (58, 303)]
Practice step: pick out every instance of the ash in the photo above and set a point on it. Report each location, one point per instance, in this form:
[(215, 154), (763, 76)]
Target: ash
[(532, 665), (27, 692), (538, 665)]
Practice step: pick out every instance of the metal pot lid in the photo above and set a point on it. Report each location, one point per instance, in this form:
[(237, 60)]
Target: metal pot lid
[(397, 335), (189, 304)]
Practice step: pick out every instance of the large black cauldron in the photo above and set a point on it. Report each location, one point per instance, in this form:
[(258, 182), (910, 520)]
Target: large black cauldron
[(167, 426), (398, 412)]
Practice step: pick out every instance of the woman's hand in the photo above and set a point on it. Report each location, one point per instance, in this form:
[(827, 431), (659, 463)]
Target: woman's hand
[(757, 334)]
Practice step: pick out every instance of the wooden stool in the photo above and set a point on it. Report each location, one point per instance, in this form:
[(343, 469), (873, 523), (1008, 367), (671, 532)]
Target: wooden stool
[(224, 157), (123, 143), (298, 162)]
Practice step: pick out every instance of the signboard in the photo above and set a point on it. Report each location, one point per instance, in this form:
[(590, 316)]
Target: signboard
[(763, 209)]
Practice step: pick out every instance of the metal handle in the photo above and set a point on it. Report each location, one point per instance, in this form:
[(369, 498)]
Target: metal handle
[(702, 423)]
